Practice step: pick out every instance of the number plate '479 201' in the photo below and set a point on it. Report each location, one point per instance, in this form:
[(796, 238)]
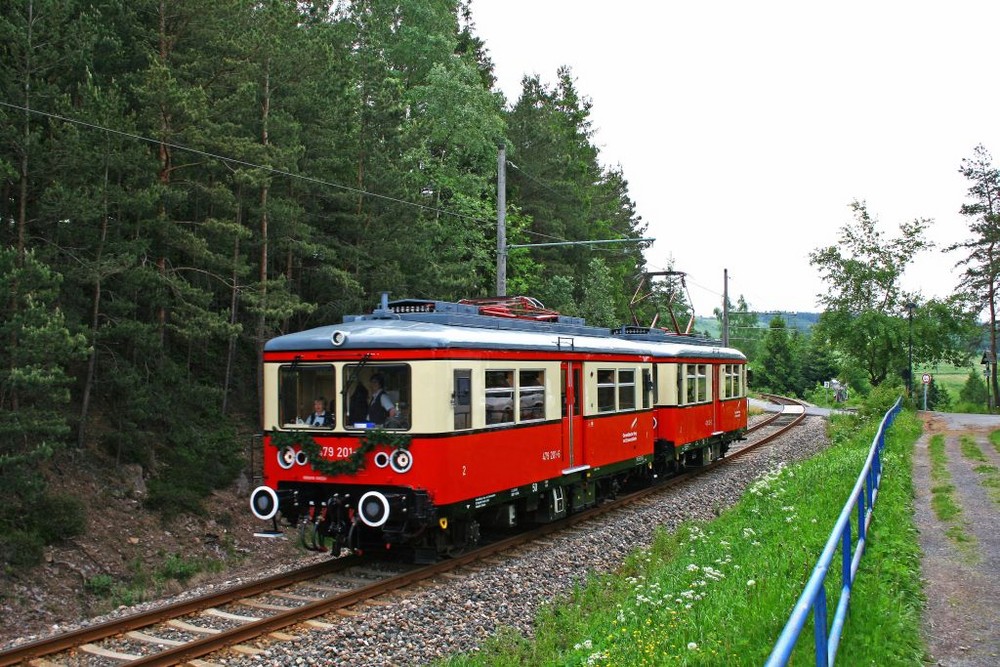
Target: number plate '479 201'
[(336, 452)]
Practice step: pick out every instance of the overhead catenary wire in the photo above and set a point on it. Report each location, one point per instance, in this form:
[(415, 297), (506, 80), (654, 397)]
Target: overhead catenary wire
[(273, 170), (243, 163)]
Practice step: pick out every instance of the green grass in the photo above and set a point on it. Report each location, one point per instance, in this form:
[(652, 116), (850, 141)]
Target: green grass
[(142, 585), (995, 439), (971, 450), (942, 490), (989, 475), (720, 592)]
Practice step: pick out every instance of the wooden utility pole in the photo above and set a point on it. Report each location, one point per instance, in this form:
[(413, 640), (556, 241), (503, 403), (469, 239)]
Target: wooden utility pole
[(502, 220), (725, 307)]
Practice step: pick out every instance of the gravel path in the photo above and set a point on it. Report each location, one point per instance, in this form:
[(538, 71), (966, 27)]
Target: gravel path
[(962, 619), (459, 614)]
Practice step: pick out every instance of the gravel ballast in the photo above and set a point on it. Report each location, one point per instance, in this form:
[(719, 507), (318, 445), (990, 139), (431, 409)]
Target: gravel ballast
[(459, 614)]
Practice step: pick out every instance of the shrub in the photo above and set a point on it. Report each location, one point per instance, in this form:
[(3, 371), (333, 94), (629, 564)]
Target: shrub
[(60, 517), (175, 567), (878, 402), (21, 549), (100, 585)]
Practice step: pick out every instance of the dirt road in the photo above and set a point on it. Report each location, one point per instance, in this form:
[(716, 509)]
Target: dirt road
[(961, 557)]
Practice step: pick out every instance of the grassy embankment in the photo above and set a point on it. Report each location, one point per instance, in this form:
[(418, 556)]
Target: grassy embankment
[(720, 592)]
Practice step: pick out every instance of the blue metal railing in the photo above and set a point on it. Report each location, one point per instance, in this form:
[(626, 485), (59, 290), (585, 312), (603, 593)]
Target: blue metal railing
[(814, 595)]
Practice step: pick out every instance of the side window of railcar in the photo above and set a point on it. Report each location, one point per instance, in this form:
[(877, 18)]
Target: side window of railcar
[(731, 385), (531, 397), (695, 381), (377, 396), (300, 388), (605, 390), (499, 397), (626, 389)]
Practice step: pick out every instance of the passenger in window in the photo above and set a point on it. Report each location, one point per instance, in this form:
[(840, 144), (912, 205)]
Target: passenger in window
[(531, 379), (357, 410), (320, 416), (381, 406), (499, 379)]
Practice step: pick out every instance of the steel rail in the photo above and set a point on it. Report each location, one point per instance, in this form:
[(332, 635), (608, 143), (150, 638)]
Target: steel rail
[(116, 626)]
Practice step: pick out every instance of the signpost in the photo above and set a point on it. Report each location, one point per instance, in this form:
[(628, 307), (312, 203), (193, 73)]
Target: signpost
[(927, 381)]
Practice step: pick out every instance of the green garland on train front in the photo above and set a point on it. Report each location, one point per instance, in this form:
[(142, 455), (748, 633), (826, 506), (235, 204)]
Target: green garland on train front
[(349, 466)]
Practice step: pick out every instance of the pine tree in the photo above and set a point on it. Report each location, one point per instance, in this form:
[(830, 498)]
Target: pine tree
[(982, 262), (34, 394)]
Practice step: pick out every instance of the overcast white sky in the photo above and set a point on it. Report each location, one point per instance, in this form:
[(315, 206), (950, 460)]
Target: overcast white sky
[(742, 124)]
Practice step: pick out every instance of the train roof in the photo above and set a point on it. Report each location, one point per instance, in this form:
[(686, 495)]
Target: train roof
[(415, 324)]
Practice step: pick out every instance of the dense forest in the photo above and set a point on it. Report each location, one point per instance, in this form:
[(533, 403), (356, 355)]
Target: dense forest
[(183, 180)]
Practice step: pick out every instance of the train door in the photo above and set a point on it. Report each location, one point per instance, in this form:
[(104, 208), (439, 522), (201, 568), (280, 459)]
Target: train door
[(461, 398), (716, 392), (572, 399)]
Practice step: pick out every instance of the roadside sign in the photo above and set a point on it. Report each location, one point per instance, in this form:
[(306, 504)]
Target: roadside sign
[(927, 378)]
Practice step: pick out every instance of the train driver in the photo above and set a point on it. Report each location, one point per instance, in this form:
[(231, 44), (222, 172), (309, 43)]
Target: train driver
[(320, 416), (381, 406)]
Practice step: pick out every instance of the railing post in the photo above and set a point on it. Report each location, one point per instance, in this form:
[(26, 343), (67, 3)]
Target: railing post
[(845, 549), (871, 480), (819, 626), (862, 505)]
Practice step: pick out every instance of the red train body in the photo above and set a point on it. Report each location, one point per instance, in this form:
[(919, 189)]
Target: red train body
[(486, 421)]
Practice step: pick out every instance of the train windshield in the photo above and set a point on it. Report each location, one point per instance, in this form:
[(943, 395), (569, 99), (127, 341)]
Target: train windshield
[(377, 396), (306, 396)]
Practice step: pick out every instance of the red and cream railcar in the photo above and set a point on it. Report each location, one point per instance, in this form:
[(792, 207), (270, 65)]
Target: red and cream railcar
[(493, 421), (700, 396)]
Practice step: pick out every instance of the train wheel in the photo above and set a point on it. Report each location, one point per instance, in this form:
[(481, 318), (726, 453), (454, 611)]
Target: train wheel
[(464, 535)]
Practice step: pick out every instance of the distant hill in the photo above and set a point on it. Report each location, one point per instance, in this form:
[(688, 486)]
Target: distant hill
[(801, 321), (804, 322)]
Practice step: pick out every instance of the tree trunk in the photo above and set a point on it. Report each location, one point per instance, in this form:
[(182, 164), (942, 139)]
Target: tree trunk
[(262, 317), (95, 312), (165, 165), (993, 346), (233, 301)]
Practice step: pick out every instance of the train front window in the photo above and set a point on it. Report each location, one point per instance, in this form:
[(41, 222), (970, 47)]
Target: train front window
[(305, 396), (377, 396)]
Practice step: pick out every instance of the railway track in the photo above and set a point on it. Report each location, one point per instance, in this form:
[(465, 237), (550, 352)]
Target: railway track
[(186, 631), (792, 412)]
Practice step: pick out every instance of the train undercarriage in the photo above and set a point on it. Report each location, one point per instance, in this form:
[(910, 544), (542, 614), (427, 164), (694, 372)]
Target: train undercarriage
[(405, 523)]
